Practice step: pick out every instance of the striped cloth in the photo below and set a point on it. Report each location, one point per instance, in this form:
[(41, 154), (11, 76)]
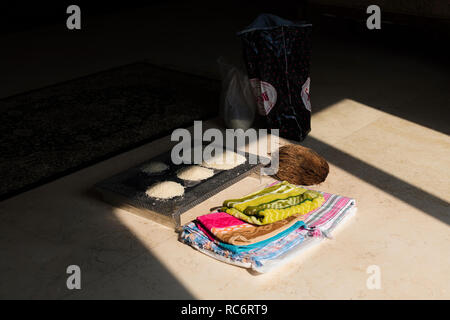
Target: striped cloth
[(320, 223), (273, 203), (194, 237), (223, 227), (253, 246)]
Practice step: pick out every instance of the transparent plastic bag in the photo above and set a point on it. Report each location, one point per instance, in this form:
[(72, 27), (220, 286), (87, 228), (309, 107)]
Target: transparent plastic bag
[(237, 102)]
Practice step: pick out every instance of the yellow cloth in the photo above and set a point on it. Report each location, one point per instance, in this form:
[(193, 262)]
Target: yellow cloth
[(274, 203)]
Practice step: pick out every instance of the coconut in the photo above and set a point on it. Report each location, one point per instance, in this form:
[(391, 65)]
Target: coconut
[(300, 165)]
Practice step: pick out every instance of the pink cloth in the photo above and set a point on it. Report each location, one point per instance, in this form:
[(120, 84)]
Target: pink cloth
[(206, 232), (219, 220), (211, 222)]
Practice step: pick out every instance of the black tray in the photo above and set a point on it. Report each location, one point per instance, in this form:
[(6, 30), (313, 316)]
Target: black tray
[(127, 189)]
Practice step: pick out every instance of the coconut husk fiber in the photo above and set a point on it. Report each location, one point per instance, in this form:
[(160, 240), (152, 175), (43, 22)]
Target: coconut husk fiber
[(301, 165)]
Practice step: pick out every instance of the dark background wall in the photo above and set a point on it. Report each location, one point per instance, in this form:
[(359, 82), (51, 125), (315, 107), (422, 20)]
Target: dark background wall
[(421, 26), (22, 15)]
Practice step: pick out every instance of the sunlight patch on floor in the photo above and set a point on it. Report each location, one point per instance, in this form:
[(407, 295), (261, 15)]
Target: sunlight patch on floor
[(410, 152)]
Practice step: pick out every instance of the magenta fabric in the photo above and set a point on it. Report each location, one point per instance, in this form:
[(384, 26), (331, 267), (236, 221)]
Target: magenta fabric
[(205, 231), (219, 220)]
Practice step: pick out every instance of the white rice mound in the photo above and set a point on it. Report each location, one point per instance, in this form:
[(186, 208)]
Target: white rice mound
[(155, 167), (165, 190), (220, 162), (195, 173)]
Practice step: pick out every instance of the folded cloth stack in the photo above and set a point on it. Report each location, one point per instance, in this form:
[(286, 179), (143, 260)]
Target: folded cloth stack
[(228, 236)]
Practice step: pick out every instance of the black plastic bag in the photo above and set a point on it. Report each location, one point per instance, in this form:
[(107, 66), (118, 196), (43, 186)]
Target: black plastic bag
[(277, 53)]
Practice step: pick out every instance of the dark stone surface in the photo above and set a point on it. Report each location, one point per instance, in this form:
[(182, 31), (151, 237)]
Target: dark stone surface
[(130, 186), (56, 130)]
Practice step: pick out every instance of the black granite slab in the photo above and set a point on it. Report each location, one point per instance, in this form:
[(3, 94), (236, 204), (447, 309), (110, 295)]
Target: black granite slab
[(127, 189)]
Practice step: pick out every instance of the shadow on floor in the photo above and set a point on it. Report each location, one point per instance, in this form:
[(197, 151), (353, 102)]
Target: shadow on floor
[(37, 247), (402, 81), (114, 263), (396, 187)]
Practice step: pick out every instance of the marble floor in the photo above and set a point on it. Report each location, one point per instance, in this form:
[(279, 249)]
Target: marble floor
[(402, 226), (388, 147)]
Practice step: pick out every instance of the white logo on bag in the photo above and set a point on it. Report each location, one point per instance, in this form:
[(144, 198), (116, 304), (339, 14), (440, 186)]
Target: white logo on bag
[(306, 95), (265, 94)]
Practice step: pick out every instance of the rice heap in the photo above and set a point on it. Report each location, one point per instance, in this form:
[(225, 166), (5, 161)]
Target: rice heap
[(155, 167), (226, 161), (165, 190), (195, 173)]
